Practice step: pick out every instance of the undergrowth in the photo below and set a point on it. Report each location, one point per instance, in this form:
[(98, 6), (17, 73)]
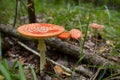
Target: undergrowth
[(70, 16)]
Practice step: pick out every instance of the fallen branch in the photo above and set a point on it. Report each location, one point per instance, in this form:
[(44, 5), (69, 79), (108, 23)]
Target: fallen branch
[(65, 48), (112, 58), (82, 70)]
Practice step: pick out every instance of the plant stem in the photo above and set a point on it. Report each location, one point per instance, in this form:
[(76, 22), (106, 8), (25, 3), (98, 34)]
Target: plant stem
[(42, 49), (96, 33), (0, 46), (16, 13)]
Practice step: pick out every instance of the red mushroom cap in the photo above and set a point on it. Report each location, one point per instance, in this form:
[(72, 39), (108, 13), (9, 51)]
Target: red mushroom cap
[(64, 35), (75, 33), (40, 30), (96, 26)]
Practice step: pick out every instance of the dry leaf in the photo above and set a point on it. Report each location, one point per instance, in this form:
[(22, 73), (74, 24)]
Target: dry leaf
[(22, 60), (102, 49), (58, 70), (1, 77), (66, 73), (108, 42)]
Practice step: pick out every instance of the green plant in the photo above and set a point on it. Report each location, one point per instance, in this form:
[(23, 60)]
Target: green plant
[(12, 73), (4, 71), (0, 46), (33, 72)]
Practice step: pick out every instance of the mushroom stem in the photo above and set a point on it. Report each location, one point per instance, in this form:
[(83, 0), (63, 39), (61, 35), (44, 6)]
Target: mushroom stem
[(95, 33), (42, 49)]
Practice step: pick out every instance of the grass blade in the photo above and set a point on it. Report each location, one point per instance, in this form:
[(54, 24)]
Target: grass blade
[(108, 13), (0, 46), (5, 64), (15, 76), (33, 73), (5, 72), (14, 64), (21, 71), (102, 75)]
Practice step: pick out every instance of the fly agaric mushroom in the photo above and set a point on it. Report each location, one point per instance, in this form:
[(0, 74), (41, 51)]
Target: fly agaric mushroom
[(64, 35), (40, 31), (75, 33), (96, 26)]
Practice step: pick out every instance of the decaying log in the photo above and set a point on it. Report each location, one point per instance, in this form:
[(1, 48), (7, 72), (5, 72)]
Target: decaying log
[(75, 51), (65, 48), (9, 30)]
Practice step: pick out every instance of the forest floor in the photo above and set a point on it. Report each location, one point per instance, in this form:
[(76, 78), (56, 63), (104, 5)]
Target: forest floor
[(70, 16)]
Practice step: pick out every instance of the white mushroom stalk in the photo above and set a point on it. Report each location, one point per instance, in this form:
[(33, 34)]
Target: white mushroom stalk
[(42, 49)]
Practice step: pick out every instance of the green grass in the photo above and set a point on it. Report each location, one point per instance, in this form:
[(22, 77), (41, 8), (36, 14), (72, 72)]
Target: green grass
[(11, 72), (0, 46), (7, 9)]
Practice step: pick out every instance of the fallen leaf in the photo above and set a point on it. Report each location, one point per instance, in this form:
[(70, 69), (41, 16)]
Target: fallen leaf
[(66, 73), (108, 42), (22, 60), (102, 49), (1, 77), (31, 57), (60, 71)]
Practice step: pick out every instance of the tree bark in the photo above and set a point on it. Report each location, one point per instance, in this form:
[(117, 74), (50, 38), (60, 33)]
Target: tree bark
[(31, 11), (65, 48)]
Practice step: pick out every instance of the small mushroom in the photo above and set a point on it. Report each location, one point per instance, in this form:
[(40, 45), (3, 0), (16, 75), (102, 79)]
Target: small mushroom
[(96, 27), (75, 34), (64, 35), (40, 31)]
